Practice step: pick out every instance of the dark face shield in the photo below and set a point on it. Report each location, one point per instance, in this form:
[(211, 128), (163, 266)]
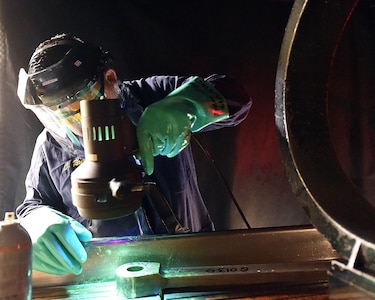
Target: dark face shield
[(65, 113), (61, 81), (53, 94)]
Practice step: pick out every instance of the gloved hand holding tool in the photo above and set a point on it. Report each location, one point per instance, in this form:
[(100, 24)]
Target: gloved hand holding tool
[(57, 241), (165, 126)]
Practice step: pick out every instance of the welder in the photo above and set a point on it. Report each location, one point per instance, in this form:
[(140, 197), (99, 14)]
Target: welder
[(165, 110)]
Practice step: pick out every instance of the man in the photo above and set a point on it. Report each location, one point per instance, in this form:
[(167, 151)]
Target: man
[(165, 110)]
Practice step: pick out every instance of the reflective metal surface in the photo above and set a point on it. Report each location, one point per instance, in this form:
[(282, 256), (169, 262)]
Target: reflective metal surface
[(332, 203), (272, 255), (140, 279)]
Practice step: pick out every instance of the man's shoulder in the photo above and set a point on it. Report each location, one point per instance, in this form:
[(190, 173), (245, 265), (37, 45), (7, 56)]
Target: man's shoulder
[(51, 143), (46, 138)]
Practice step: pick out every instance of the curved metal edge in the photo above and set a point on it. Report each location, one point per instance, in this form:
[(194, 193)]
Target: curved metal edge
[(328, 197)]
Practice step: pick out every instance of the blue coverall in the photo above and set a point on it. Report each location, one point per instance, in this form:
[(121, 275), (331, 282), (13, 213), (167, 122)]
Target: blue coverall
[(48, 179)]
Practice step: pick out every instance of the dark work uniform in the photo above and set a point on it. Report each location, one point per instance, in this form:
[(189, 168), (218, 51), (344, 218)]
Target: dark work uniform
[(48, 180)]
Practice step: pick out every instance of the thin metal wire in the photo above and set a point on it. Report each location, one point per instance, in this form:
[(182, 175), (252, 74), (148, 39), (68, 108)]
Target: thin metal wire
[(229, 190)]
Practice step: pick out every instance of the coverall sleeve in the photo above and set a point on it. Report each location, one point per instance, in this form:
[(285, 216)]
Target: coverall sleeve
[(238, 100), (40, 188), (149, 90)]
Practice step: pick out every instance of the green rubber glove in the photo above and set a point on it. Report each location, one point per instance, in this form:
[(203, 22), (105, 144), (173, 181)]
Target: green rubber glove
[(165, 126), (57, 241)]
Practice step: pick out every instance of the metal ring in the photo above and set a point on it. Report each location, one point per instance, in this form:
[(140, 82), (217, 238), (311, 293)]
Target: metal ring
[(329, 198)]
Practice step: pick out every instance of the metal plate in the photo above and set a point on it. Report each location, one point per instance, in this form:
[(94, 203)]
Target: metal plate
[(332, 203), (290, 255)]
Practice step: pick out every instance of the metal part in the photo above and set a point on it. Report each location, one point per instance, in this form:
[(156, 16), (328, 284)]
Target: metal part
[(141, 279), (15, 260), (331, 201), (350, 283), (272, 248)]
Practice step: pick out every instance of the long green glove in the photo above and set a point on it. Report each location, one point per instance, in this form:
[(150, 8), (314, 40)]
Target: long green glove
[(165, 126), (57, 241)]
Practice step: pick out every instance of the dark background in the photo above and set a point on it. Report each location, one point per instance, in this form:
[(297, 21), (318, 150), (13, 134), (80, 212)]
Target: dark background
[(238, 38)]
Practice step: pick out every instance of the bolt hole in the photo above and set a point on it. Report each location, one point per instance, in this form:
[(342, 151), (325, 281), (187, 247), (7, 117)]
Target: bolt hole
[(135, 269)]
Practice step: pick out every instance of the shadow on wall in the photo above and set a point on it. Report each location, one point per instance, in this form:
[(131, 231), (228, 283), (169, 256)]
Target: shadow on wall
[(17, 134)]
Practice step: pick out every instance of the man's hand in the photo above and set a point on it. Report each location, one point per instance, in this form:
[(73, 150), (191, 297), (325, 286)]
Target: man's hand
[(164, 129), (57, 241), (165, 126)]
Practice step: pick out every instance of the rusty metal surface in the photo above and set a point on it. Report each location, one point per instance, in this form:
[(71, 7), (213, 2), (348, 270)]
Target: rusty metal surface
[(288, 251), (332, 203)]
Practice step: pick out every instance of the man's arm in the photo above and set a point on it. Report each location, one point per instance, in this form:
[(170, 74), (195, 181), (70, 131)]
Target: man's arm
[(152, 89), (56, 238), (166, 125), (40, 189)]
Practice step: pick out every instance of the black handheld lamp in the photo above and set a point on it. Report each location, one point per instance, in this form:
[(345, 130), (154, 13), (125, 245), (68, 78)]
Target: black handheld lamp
[(108, 184)]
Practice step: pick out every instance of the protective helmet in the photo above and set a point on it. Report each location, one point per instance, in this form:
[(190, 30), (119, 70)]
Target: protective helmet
[(61, 70), (61, 67)]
